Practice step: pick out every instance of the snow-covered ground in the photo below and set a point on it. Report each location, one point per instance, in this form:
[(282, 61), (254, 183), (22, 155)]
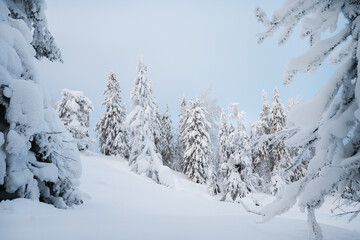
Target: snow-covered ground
[(122, 205)]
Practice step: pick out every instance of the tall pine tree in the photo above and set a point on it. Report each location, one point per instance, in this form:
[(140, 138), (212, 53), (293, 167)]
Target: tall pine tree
[(197, 153), (279, 156), (111, 129), (261, 154), (223, 144), (144, 128), (179, 145), (167, 147), (239, 178)]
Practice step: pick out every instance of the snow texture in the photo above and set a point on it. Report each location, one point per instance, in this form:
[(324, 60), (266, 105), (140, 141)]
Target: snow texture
[(124, 205)]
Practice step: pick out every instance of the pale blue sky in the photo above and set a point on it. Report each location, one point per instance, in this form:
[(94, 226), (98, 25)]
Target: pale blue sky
[(188, 46)]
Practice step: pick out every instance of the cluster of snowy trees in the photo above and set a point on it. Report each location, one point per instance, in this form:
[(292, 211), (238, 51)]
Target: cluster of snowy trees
[(244, 160), (228, 158), (302, 157), (231, 159)]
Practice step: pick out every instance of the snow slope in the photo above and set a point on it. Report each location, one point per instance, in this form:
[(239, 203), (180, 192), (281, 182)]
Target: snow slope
[(123, 205)]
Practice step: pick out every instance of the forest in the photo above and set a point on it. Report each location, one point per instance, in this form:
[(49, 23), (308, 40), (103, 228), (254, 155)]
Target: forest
[(213, 167)]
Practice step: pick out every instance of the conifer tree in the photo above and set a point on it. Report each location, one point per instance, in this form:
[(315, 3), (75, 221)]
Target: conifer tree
[(261, 154), (277, 118), (213, 181), (212, 115), (143, 123), (279, 156), (167, 147), (111, 129), (138, 93), (239, 178), (179, 145), (182, 114), (196, 139), (223, 141), (74, 111), (235, 128), (38, 157), (298, 172)]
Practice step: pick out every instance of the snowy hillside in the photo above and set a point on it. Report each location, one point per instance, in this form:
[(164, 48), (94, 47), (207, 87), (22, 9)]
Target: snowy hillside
[(120, 204)]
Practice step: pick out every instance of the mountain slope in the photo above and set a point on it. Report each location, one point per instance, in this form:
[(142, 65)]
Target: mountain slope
[(123, 205)]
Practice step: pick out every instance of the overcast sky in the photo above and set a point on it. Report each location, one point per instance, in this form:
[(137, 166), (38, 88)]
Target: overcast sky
[(188, 47)]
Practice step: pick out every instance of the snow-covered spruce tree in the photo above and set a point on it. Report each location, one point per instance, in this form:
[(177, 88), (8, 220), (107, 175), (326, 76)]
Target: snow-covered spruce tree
[(235, 128), (212, 114), (74, 111), (179, 144), (167, 147), (182, 114), (279, 155), (111, 129), (300, 171), (261, 152), (329, 123), (38, 159), (197, 152), (213, 181), (232, 187), (223, 147), (137, 99), (144, 157), (239, 178)]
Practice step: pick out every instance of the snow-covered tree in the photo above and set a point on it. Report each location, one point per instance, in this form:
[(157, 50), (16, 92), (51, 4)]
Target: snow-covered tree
[(263, 126), (182, 114), (300, 171), (236, 127), (74, 111), (197, 152), (261, 152), (238, 176), (232, 189), (223, 152), (38, 159), (212, 115), (167, 147), (223, 138), (138, 93), (213, 181), (179, 144), (279, 154), (111, 129), (143, 124), (329, 123)]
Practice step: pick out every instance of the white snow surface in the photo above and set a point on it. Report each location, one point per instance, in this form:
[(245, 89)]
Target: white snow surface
[(120, 204)]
